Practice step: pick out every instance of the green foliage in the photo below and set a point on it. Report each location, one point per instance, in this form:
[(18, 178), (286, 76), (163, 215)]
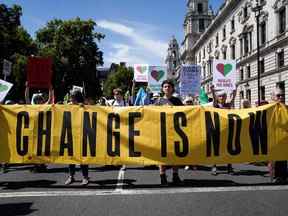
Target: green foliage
[(72, 44), (15, 44), (121, 77)]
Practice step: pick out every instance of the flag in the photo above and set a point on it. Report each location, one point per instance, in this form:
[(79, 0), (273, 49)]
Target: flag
[(203, 97), (141, 98)]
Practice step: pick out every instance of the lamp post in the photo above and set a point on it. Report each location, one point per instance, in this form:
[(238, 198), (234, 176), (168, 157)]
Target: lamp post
[(257, 10)]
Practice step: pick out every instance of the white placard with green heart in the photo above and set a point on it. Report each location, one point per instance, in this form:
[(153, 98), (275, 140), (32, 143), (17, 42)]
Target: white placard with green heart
[(224, 74), (156, 75), (141, 72), (4, 89)]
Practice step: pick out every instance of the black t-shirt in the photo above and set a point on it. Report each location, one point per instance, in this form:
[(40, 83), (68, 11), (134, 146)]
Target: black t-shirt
[(176, 101), (173, 101)]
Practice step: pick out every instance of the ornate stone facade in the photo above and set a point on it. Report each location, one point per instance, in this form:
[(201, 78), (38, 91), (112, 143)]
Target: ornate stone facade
[(232, 35)]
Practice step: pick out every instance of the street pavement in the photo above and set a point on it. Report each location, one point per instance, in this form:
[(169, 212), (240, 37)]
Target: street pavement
[(137, 191)]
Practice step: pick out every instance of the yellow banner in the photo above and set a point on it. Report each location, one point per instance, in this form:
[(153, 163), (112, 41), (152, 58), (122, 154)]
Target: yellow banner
[(142, 135)]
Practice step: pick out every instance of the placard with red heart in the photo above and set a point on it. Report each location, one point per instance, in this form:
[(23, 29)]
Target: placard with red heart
[(141, 72)]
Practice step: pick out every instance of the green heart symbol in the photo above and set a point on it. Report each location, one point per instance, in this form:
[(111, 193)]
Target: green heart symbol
[(227, 69), (160, 74), (3, 88)]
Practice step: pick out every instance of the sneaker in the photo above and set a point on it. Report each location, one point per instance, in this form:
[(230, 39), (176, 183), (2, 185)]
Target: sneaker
[(176, 179), (214, 170), (70, 180), (279, 180), (163, 179), (186, 168), (85, 181)]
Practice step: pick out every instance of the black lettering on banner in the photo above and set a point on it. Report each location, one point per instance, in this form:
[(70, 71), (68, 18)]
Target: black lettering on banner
[(44, 132), (89, 132), (22, 150), (66, 132), (133, 133), (212, 134), (177, 126), (234, 149), (258, 132), (163, 134), (113, 117)]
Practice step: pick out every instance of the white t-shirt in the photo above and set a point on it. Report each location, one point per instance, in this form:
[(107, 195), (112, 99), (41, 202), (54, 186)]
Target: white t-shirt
[(116, 103)]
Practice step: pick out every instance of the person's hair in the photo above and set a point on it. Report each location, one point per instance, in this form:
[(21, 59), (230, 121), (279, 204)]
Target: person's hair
[(77, 96), (169, 82), (119, 90)]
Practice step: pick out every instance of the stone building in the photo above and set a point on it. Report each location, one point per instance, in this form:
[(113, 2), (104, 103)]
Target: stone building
[(173, 59), (232, 34)]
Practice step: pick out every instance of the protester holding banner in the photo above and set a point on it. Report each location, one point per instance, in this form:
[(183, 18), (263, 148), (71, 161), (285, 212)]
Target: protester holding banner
[(280, 167), (168, 99), (118, 101), (38, 99), (118, 98), (220, 101), (77, 98)]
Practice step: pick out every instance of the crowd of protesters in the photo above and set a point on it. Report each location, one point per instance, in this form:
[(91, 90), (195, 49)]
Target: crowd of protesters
[(219, 100)]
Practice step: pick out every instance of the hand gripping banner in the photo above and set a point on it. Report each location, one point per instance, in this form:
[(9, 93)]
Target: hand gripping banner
[(145, 135)]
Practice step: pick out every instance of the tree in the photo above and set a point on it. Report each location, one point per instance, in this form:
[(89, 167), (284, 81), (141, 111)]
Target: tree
[(121, 77), (72, 44), (15, 45)]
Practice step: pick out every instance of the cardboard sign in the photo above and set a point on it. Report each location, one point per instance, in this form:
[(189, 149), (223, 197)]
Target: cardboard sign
[(190, 80), (4, 89), (39, 72), (141, 72), (156, 75), (224, 74)]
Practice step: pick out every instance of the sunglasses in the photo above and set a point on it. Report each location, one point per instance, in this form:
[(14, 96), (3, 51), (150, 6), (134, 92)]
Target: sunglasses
[(279, 95)]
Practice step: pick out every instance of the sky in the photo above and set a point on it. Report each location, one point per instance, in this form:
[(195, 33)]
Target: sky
[(136, 31)]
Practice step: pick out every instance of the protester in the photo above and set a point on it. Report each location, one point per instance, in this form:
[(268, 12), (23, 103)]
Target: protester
[(220, 101), (37, 99), (118, 100), (280, 167), (189, 101), (77, 99), (168, 90), (246, 104)]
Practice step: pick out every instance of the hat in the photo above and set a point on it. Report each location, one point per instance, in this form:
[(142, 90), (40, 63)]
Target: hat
[(187, 99), (221, 93)]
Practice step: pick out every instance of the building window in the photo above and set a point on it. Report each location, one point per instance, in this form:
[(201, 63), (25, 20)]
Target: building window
[(241, 74), (210, 67), (263, 33), (224, 53), (241, 47), (200, 8), (233, 52), (262, 66), (204, 71), (246, 44), (282, 20), (233, 25), (224, 33), (204, 53), (241, 95), (201, 25), (217, 39), (262, 92), (245, 12), (248, 71), (248, 95), (280, 57)]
